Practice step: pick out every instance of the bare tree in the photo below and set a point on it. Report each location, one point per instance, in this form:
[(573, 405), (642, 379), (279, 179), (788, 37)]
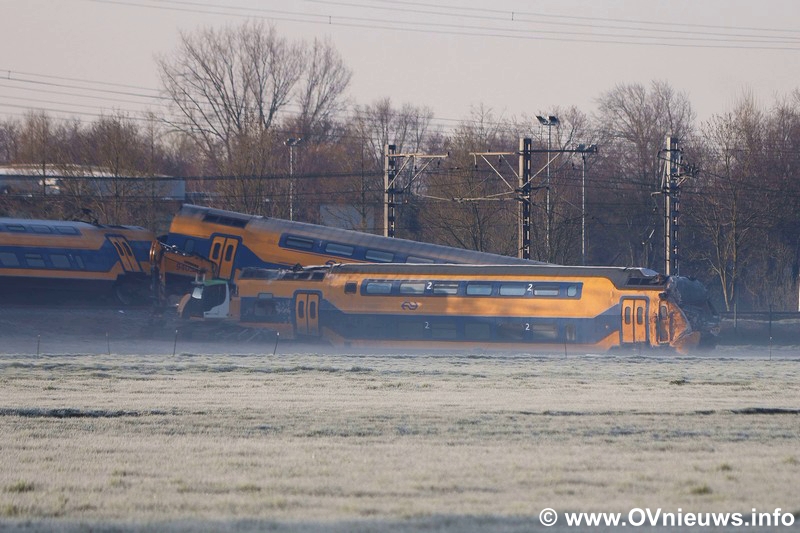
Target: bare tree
[(468, 205), (9, 141), (227, 88), (322, 86), (725, 209), (230, 90), (632, 123), (380, 123)]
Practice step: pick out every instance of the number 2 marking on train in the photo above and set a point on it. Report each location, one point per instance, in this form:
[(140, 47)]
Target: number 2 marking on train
[(530, 287), (427, 325), (527, 326)]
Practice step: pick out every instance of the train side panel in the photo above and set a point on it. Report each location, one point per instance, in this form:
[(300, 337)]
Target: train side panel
[(53, 260), (235, 241), (545, 309)]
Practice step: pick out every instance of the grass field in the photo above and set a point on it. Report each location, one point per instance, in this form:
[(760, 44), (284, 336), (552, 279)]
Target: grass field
[(222, 437)]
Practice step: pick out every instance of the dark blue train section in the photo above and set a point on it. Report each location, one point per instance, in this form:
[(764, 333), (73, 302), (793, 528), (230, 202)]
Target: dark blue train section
[(47, 261)]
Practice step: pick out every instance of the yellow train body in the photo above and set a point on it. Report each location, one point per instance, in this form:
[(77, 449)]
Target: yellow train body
[(73, 260), (519, 307), (234, 241)]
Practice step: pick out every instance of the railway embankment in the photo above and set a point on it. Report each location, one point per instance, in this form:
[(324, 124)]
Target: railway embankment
[(760, 328)]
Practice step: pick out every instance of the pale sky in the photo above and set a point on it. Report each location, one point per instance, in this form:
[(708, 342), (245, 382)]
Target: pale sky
[(513, 57)]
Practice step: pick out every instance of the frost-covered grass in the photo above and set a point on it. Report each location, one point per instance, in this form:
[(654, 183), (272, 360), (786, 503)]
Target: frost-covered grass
[(345, 441)]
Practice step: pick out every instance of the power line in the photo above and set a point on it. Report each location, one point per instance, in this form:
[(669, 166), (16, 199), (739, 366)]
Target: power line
[(442, 28)]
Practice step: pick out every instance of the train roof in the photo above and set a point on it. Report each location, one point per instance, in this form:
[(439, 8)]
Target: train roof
[(619, 276), (39, 225), (326, 233), (623, 275)]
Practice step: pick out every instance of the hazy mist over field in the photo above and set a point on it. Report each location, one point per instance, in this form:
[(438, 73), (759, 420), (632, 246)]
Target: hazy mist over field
[(227, 436)]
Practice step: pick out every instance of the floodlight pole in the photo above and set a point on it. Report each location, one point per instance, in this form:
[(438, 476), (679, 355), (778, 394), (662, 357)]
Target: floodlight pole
[(548, 122)]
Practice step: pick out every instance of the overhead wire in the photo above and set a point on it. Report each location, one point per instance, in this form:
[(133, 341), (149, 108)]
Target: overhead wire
[(447, 28)]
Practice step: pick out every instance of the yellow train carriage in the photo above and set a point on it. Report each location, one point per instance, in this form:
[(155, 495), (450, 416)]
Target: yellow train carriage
[(51, 260), (234, 241), (451, 306)]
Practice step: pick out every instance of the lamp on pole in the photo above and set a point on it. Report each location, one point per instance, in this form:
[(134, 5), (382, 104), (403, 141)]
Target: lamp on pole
[(548, 122), (291, 142), (583, 150)]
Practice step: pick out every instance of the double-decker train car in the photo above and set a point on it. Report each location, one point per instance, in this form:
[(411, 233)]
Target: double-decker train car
[(234, 241), (521, 307), (52, 261)]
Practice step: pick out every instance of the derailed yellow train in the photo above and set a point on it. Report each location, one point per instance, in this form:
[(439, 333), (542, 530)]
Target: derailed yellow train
[(67, 261), (519, 307)]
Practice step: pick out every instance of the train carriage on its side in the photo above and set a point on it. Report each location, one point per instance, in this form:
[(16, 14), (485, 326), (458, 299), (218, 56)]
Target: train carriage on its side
[(64, 261), (521, 307), (234, 241)]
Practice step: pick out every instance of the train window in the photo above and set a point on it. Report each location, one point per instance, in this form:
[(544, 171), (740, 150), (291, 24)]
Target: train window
[(378, 287), (34, 260), (38, 228), (640, 315), (18, 228), (188, 245), (543, 332), (215, 251), (572, 291), (225, 220), (419, 260), (339, 249), (478, 332), (60, 261), (445, 287), (378, 256), (312, 310), (412, 287), (546, 290), (479, 289), (67, 230), (627, 315), (301, 309), (515, 289), (350, 287), (8, 259), (443, 330), (264, 308), (299, 243), (411, 329), (228, 252), (511, 331)]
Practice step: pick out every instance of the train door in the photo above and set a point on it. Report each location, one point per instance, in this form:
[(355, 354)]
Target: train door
[(223, 253), (306, 313), (125, 252), (664, 328), (634, 321)]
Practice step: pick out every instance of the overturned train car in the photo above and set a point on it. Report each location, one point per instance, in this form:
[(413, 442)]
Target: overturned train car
[(233, 241)]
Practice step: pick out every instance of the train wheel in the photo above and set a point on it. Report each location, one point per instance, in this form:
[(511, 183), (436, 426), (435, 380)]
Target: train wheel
[(130, 294)]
